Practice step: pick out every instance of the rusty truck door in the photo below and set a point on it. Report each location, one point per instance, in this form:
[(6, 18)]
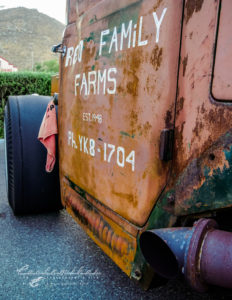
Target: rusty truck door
[(117, 95)]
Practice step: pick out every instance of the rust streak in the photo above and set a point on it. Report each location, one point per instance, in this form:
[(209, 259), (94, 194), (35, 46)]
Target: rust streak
[(157, 5), (191, 7), (180, 105), (185, 62), (156, 57), (90, 218), (130, 198)]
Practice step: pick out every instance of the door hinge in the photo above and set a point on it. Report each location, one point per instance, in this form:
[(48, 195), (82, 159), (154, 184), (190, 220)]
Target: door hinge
[(166, 144)]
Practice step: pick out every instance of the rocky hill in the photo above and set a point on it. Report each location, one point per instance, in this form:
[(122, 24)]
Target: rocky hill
[(26, 36)]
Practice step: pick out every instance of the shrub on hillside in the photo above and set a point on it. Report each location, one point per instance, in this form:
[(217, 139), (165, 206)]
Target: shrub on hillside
[(21, 83), (50, 66)]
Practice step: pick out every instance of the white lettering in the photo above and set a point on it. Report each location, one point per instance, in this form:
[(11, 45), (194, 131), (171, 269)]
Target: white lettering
[(92, 82), (92, 147), (85, 145), (78, 53), (101, 78), (80, 141), (70, 137), (114, 40), (69, 56), (131, 160), (110, 79), (125, 34), (84, 84), (111, 153), (112, 147), (77, 77), (95, 82), (158, 23), (141, 43), (71, 140), (121, 162), (134, 36), (102, 43)]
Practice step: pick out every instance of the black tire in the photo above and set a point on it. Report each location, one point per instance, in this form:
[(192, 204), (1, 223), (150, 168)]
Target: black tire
[(30, 188)]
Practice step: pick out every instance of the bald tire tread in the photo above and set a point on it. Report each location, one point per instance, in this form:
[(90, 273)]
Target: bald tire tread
[(30, 188)]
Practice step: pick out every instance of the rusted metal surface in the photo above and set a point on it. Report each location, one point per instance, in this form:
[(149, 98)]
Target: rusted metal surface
[(209, 258), (192, 270), (164, 249), (201, 177), (124, 83), (82, 6), (130, 228), (202, 150), (71, 11), (205, 182), (201, 252), (76, 8), (121, 119), (216, 258), (112, 238), (197, 118), (222, 80)]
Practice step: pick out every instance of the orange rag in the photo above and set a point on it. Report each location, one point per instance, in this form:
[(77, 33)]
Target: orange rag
[(47, 132)]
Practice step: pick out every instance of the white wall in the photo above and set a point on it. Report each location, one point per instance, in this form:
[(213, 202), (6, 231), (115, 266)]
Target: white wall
[(5, 66)]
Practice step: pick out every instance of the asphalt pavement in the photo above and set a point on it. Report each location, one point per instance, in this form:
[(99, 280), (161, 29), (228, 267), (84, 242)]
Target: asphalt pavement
[(49, 257)]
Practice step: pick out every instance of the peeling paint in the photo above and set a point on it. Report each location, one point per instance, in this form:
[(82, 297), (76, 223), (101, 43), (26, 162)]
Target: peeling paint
[(127, 134)]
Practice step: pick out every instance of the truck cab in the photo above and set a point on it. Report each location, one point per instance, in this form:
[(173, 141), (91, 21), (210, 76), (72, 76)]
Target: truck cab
[(145, 134)]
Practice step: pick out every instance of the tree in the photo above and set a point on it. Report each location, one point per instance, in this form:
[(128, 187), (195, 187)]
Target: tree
[(49, 66)]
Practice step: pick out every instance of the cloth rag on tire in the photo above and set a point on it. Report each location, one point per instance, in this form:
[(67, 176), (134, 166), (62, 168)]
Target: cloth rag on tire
[(47, 132)]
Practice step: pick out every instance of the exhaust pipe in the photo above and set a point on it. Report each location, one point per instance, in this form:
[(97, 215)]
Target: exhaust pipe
[(202, 253)]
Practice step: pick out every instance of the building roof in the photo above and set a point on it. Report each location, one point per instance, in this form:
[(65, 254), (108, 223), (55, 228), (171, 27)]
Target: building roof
[(8, 62)]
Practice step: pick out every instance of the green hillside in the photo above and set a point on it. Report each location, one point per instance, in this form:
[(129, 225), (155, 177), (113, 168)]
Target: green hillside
[(26, 36)]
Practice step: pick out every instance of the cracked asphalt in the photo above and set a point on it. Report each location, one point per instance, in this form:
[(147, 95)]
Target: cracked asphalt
[(49, 257)]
